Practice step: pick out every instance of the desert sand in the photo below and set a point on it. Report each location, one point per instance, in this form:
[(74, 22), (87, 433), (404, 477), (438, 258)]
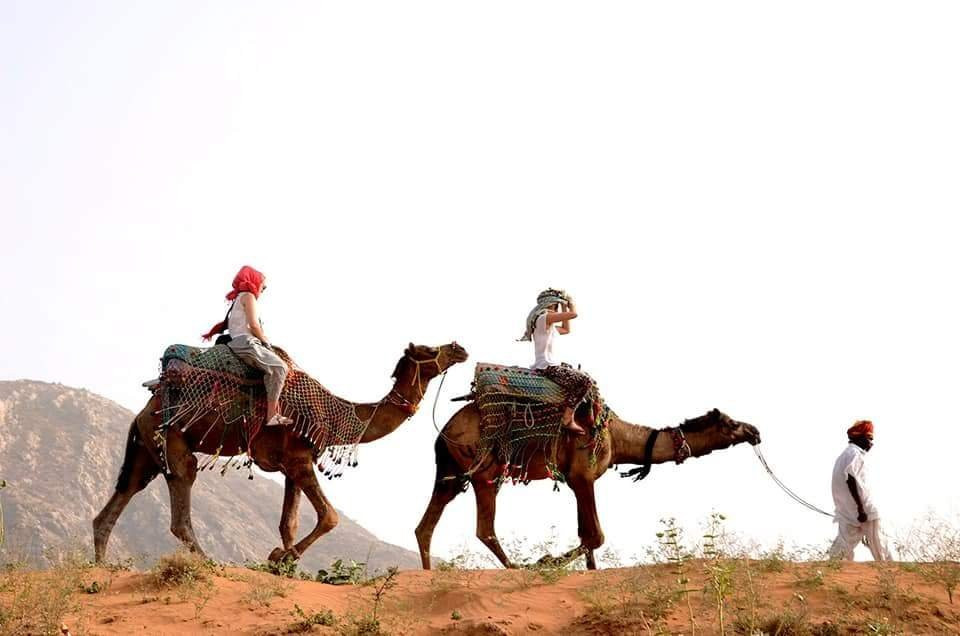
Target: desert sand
[(781, 597)]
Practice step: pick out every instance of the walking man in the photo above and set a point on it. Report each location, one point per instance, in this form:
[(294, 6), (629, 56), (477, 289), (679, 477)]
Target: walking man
[(856, 514)]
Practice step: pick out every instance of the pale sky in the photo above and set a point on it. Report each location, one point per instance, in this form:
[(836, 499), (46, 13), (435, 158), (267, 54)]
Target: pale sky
[(753, 203)]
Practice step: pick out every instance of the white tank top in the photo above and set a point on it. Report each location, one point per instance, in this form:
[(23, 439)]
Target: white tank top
[(543, 343), (237, 323)]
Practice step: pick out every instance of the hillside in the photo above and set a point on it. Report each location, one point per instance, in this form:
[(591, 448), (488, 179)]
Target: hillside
[(60, 453)]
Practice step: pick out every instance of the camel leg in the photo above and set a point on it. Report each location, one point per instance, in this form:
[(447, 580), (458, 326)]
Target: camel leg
[(446, 486), (444, 491), (290, 518), (183, 472), (486, 494), (591, 560), (138, 470), (327, 518), (591, 536)]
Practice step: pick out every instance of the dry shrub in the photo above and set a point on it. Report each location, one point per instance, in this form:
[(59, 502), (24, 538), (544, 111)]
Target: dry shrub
[(634, 601), (262, 589), (306, 622), (38, 602), (189, 574), (180, 568), (934, 543)]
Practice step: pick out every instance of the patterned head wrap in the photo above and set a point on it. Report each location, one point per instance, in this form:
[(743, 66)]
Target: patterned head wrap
[(246, 280), (547, 299), (861, 428)]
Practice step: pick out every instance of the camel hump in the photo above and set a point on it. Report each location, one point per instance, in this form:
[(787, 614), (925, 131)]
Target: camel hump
[(516, 382)]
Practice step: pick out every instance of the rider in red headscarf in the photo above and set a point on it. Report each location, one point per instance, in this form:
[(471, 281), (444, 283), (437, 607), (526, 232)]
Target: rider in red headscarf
[(248, 340)]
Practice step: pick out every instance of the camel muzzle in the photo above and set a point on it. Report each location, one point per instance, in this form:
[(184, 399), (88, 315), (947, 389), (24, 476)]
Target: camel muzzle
[(753, 434)]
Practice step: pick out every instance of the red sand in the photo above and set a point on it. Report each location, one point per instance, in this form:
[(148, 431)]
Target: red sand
[(854, 598)]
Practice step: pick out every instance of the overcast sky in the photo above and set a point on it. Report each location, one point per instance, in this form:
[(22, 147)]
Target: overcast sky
[(753, 203)]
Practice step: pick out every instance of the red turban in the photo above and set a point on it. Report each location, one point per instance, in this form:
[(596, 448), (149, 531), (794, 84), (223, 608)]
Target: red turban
[(246, 280), (861, 429)]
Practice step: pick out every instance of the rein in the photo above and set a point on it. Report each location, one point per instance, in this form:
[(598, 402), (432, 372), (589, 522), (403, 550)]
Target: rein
[(784, 488), (681, 451)]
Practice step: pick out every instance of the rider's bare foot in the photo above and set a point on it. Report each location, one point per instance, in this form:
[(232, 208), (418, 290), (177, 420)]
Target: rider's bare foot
[(570, 424), (274, 418), (278, 420)]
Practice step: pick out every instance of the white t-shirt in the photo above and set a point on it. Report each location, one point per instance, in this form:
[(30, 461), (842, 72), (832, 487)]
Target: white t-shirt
[(237, 323), (851, 463), (543, 343)]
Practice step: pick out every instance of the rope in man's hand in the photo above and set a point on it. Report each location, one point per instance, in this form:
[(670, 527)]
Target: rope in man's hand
[(803, 502)]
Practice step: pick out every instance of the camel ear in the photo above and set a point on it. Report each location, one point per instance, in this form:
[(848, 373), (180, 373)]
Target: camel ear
[(396, 369)]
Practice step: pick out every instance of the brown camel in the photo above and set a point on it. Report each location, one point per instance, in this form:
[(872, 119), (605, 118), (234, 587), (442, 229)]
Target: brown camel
[(275, 448), (622, 443)]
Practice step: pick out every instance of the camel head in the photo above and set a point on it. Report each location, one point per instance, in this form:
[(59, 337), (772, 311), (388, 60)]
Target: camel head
[(421, 363), (721, 431)]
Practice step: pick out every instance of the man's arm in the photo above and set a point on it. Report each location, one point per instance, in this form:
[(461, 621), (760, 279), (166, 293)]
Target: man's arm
[(852, 485)]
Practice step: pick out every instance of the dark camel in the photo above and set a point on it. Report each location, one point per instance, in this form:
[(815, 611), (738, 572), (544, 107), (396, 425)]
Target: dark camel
[(275, 448), (623, 443)]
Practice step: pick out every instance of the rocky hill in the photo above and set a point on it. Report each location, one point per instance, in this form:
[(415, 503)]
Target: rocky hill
[(60, 453)]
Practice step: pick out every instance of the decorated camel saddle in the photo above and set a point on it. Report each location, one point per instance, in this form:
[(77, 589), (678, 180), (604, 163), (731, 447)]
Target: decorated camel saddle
[(219, 359), (206, 384), (521, 412)]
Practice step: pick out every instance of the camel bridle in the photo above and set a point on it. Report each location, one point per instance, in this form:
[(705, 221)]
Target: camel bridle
[(681, 451), (398, 400)]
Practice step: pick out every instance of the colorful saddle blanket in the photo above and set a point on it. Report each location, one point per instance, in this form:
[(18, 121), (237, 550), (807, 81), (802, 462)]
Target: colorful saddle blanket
[(516, 382), (218, 359)]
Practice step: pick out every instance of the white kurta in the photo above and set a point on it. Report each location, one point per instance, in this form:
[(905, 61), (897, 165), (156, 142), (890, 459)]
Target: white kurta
[(851, 464), (851, 531)]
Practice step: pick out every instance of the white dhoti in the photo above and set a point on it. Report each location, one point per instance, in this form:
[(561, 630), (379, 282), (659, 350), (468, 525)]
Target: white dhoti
[(850, 534)]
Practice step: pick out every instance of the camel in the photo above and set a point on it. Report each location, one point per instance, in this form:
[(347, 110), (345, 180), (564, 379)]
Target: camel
[(275, 448), (621, 443)]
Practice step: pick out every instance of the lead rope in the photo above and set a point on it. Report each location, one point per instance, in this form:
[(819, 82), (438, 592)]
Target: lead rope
[(803, 502), (433, 414)]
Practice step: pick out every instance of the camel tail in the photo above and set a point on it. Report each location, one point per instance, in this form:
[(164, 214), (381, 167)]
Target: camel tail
[(129, 454)]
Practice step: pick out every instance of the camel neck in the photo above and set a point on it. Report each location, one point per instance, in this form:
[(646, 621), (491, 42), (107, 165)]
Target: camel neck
[(391, 412), (629, 443)]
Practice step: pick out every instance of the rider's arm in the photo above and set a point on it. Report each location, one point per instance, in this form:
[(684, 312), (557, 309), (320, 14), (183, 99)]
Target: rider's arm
[(249, 303), (563, 317)]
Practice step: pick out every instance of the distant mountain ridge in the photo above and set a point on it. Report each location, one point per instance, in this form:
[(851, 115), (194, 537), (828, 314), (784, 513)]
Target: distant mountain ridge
[(60, 453)]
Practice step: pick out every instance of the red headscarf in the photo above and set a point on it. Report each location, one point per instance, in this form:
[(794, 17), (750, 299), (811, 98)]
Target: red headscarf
[(246, 280), (861, 428)]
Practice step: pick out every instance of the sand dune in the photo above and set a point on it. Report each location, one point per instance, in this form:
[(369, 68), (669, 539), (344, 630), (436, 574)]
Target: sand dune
[(796, 598)]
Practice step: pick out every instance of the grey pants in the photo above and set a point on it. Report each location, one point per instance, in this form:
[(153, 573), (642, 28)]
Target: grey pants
[(251, 350)]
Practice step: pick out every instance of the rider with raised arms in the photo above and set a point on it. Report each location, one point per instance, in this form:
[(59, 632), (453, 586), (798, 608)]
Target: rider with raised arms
[(550, 316)]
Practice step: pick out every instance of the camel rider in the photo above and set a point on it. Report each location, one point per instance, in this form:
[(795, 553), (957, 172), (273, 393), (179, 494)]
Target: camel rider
[(856, 513), (248, 341), (552, 315)]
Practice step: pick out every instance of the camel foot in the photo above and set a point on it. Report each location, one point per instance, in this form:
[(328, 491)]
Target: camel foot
[(278, 555), (565, 559)]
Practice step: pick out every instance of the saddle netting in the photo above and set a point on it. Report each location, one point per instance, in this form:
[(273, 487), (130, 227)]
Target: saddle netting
[(521, 415), (200, 382)]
